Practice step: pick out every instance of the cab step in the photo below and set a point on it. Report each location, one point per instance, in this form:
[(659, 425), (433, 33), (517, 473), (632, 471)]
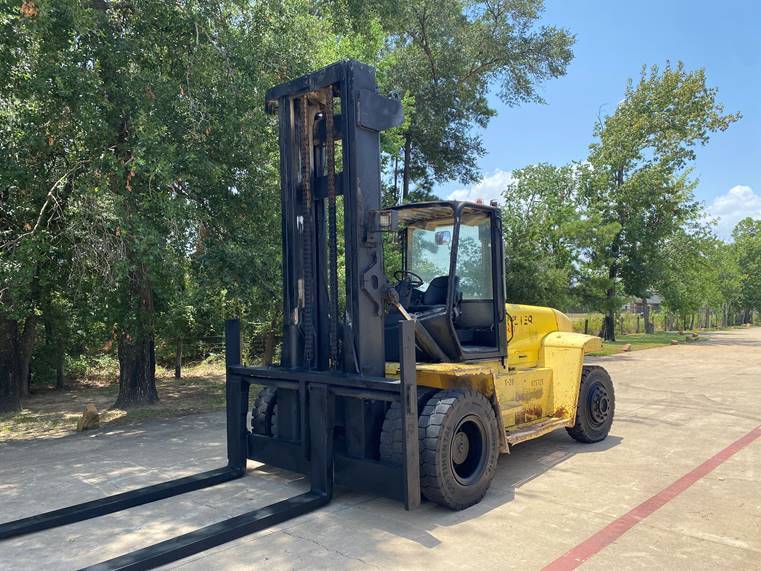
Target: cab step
[(535, 429)]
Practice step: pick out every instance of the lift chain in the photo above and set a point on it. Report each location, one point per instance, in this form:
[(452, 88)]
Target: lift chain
[(330, 152), (306, 179)]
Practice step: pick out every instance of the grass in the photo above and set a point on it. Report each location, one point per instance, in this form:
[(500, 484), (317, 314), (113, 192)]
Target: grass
[(639, 341)]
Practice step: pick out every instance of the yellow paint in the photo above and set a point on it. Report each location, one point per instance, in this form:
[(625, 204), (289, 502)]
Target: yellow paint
[(538, 389), (564, 353), (526, 328), (523, 395)]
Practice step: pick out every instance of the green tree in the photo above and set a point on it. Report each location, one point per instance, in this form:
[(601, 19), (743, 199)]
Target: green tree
[(42, 85), (445, 55), (747, 237), (639, 175), (688, 276), (726, 281), (548, 235), (143, 123)]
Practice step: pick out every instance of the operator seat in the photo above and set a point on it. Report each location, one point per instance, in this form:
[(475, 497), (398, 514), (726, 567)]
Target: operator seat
[(436, 294)]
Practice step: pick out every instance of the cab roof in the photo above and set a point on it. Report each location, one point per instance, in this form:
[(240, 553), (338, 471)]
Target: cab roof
[(423, 212)]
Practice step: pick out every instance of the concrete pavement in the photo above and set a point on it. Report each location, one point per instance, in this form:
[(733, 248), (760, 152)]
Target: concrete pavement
[(676, 408)]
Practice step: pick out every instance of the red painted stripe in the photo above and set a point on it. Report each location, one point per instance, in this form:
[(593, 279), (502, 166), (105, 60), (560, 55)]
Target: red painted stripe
[(586, 549)]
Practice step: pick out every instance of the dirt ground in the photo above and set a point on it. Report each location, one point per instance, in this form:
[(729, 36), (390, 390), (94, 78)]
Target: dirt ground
[(51, 413), (677, 485)]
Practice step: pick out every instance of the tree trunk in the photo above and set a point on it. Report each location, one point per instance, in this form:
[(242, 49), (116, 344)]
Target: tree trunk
[(137, 352), (406, 167), (10, 399), (396, 179), (609, 323), (60, 370), (178, 360), (25, 347), (649, 327), (269, 349), (608, 332), (269, 345), (137, 371)]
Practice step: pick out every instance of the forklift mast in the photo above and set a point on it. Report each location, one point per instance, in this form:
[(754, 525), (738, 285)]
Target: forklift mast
[(330, 123)]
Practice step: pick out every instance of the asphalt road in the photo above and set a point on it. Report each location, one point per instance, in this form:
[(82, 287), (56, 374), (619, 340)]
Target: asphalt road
[(676, 485)]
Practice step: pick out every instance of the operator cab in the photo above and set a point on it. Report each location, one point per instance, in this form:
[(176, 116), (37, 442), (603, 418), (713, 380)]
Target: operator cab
[(446, 266)]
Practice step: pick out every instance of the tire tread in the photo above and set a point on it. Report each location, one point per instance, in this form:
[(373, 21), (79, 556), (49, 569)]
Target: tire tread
[(262, 412)]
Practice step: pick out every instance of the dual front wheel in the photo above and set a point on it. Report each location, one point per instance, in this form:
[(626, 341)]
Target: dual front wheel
[(459, 448), (459, 445)]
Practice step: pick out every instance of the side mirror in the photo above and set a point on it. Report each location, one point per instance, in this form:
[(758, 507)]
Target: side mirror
[(443, 237)]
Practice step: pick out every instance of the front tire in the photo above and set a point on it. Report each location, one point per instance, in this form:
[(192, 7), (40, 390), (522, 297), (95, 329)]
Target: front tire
[(596, 407), (459, 448), (264, 413), (391, 447)]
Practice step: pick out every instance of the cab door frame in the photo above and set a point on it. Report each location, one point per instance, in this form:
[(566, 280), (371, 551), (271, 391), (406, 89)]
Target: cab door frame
[(497, 277)]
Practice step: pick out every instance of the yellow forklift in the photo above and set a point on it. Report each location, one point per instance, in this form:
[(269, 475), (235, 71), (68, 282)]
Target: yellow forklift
[(407, 377)]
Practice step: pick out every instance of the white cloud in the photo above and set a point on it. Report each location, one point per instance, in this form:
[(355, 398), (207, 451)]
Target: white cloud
[(488, 188), (729, 208)]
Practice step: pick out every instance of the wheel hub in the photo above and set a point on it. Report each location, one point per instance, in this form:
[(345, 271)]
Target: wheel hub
[(599, 404), (467, 453), (460, 448)]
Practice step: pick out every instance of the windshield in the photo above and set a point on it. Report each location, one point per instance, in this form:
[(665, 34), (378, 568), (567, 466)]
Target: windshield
[(427, 253)]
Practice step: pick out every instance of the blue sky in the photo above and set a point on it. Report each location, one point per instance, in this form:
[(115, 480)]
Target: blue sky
[(613, 40)]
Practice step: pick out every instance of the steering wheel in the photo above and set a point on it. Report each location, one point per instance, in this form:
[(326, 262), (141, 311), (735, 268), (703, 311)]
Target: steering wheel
[(414, 279)]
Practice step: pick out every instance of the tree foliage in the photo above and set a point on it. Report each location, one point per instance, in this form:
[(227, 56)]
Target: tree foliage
[(139, 184), (446, 56), (624, 223), (139, 173), (137, 159), (639, 175), (549, 235), (747, 236)]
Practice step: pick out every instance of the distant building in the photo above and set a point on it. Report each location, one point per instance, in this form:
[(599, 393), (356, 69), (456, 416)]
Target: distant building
[(636, 306)]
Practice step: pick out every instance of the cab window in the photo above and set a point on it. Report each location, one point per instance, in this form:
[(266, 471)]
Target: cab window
[(474, 256)]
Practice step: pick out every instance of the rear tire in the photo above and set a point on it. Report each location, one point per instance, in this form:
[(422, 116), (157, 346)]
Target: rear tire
[(459, 448), (596, 406)]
